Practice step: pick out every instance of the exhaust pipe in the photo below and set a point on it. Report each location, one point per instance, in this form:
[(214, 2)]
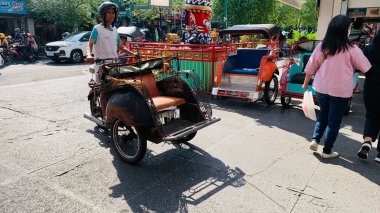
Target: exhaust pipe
[(95, 120)]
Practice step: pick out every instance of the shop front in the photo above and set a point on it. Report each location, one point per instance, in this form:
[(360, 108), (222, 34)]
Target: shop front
[(14, 14), (369, 10)]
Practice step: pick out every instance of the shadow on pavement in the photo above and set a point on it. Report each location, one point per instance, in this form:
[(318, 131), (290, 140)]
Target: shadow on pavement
[(293, 121), (171, 180), (62, 63)]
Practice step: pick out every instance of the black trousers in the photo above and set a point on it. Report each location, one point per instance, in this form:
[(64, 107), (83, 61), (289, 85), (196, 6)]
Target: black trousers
[(372, 105)]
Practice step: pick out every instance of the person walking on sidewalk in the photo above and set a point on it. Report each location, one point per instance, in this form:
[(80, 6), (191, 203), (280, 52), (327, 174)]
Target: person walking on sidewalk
[(333, 62), (372, 99)]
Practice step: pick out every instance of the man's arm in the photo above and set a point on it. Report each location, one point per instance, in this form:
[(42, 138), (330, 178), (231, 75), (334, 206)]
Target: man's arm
[(120, 47), (90, 46)]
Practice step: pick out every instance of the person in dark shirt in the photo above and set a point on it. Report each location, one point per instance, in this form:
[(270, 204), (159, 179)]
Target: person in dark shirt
[(372, 99)]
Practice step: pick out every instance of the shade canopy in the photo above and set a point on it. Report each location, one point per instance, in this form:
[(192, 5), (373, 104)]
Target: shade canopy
[(267, 30), (294, 3), (133, 32)]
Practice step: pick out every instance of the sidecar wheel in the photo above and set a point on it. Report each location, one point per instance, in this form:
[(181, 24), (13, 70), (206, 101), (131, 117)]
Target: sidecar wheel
[(271, 90), (285, 102), (128, 141)]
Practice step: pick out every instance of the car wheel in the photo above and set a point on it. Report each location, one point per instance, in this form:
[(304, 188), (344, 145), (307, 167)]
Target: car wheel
[(76, 56)]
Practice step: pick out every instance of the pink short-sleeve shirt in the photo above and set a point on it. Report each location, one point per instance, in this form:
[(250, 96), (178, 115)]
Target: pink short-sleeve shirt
[(335, 76)]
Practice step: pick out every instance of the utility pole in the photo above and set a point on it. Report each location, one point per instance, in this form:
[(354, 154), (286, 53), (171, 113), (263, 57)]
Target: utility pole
[(225, 19)]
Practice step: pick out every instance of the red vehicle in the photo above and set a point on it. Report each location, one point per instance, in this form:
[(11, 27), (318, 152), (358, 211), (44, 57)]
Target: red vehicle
[(294, 74), (251, 73)]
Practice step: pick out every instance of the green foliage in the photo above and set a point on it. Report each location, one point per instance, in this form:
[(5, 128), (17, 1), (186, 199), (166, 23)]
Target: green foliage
[(67, 15), (248, 38), (266, 11), (244, 11), (301, 35), (311, 36), (153, 12)]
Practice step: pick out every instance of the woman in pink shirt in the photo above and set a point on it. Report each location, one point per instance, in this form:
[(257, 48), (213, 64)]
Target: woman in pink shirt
[(333, 63)]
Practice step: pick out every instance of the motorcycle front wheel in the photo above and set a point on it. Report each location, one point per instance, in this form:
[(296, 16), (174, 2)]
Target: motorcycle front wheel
[(129, 143)]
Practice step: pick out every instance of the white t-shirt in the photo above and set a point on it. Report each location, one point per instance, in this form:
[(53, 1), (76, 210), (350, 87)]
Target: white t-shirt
[(106, 41)]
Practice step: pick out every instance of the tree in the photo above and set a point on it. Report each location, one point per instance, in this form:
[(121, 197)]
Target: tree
[(244, 11), (66, 15), (153, 12), (266, 11), (288, 17)]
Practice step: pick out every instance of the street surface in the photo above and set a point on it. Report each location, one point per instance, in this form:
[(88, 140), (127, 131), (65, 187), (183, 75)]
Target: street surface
[(256, 159)]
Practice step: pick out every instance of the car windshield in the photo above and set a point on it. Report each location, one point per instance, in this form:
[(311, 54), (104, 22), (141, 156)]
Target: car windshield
[(74, 37)]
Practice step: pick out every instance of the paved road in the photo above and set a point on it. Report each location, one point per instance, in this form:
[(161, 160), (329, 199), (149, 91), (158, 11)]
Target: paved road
[(43, 69), (255, 160)]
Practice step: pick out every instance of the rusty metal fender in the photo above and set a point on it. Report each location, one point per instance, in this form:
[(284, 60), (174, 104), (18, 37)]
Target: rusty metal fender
[(129, 106)]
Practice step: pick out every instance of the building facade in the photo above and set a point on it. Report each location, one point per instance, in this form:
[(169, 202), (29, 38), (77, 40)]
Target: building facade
[(14, 14), (369, 10)]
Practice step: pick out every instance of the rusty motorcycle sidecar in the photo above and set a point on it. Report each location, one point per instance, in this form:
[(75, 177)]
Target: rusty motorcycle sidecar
[(148, 100)]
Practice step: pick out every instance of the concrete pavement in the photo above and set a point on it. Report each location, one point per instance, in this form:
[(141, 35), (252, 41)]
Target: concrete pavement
[(255, 160)]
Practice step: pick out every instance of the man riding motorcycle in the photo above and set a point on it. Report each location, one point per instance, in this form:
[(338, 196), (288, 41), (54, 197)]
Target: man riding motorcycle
[(104, 40)]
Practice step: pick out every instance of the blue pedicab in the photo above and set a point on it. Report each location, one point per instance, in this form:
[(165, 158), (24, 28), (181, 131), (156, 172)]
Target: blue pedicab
[(251, 73), (293, 76)]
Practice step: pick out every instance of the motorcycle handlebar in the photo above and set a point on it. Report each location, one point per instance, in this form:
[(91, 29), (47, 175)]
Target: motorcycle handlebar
[(114, 60)]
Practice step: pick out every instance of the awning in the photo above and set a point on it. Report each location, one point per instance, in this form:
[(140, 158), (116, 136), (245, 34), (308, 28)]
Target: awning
[(294, 3)]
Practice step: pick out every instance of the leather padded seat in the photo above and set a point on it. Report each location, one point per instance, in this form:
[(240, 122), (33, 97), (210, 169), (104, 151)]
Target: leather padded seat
[(246, 71), (299, 78), (162, 102), (245, 61)]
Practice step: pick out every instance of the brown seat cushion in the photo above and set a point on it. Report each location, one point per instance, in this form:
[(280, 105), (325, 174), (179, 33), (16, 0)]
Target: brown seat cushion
[(162, 102), (149, 82)]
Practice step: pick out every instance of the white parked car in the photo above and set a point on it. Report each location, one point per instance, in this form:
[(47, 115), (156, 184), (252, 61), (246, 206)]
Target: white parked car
[(73, 47)]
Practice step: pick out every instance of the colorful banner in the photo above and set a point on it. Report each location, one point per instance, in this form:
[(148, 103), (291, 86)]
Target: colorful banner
[(373, 12), (357, 12), (13, 7)]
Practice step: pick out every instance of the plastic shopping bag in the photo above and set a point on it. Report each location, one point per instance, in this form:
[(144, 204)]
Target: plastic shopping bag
[(308, 106)]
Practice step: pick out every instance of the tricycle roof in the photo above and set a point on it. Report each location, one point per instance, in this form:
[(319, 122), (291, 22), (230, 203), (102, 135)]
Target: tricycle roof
[(267, 30), (305, 46)]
